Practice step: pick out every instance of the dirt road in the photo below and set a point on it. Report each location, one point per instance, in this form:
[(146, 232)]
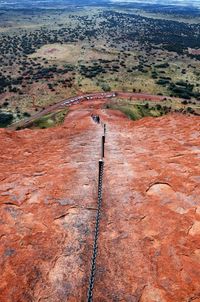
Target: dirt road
[(86, 97)]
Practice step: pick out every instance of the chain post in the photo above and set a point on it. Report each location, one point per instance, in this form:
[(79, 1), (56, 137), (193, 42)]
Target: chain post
[(103, 147)]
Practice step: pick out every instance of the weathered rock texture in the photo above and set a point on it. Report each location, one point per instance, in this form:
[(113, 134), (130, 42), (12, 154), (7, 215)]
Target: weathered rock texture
[(149, 248)]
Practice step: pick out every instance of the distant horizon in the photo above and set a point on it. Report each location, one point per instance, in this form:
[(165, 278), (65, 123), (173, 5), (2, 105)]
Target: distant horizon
[(23, 4), (194, 3)]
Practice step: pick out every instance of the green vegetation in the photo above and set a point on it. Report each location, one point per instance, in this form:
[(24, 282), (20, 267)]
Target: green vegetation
[(50, 120), (48, 55), (137, 110), (5, 119), (105, 87)]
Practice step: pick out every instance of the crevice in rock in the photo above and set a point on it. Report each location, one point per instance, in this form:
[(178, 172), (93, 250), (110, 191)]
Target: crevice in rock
[(91, 208), (65, 214), (194, 297), (61, 216), (178, 155), (10, 204), (37, 174), (188, 230), (158, 184), (1, 236), (142, 218)]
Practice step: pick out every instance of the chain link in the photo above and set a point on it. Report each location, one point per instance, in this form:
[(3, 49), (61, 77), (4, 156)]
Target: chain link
[(96, 234)]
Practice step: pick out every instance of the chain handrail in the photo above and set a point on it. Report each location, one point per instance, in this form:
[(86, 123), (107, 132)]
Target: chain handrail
[(96, 234), (98, 217)]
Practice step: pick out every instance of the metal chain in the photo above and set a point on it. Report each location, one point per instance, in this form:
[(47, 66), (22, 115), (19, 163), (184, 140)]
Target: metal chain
[(96, 234)]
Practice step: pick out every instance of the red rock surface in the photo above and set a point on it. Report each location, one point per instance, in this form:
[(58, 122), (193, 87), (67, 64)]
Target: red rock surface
[(149, 248)]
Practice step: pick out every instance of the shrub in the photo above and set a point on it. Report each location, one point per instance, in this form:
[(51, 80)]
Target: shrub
[(5, 119), (26, 114), (105, 87)]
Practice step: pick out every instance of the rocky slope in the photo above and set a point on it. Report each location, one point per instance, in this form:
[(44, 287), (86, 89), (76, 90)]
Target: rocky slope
[(149, 249)]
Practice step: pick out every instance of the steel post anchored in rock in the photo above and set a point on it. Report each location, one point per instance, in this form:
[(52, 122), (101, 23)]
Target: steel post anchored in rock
[(96, 234), (104, 130), (104, 126), (103, 147)]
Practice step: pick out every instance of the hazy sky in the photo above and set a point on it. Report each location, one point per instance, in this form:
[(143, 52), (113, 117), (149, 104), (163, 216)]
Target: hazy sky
[(14, 3), (175, 2)]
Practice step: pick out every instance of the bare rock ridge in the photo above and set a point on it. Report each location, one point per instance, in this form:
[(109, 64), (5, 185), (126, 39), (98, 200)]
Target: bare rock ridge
[(149, 245)]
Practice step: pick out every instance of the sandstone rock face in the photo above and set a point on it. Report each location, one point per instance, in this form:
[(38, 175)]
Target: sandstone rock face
[(149, 245)]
